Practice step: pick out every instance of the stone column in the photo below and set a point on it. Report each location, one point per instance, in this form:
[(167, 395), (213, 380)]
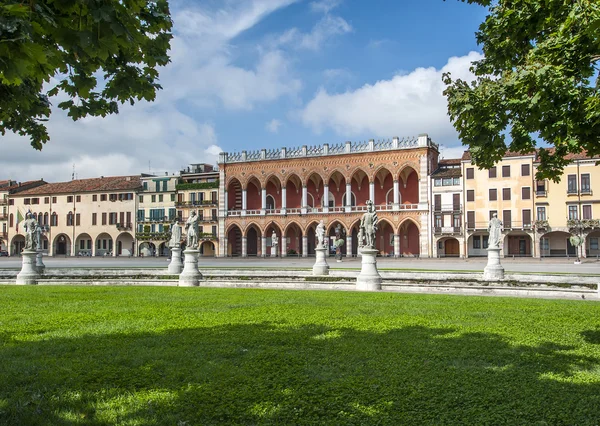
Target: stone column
[(225, 207), (396, 195), (348, 197), (321, 267), (372, 192), (263, 201), (304, 246), (191, 276), (494, 270), (397, 252), (283, 246), (39, 264), (244, 246), (226, 244), (348, 244), (263, 247), (29, 273), (325, 198), (176, 265), (369, 278), (304, 199), (244, 202), (283, 199)]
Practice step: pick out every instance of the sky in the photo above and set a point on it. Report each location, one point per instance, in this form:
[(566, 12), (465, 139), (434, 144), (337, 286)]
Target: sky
[(253, 74)]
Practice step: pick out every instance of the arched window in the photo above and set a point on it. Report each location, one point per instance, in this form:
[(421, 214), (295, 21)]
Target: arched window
[(70, 219), (45, 218), (352, 199), (54, 219), (10, 221), (270, 202)]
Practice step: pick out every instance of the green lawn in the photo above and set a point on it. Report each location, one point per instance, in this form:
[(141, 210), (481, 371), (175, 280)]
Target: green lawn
[(199, 356)]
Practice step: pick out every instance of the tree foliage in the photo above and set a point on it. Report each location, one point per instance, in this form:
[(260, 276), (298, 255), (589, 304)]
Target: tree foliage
[(538, 80), (95, 53)]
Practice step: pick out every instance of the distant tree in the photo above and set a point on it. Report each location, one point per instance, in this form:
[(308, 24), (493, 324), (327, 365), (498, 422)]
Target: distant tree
[(96, 52), (536, 82)]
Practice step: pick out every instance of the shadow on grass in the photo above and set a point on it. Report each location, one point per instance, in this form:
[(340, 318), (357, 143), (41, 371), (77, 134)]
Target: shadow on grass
[(268, 374)]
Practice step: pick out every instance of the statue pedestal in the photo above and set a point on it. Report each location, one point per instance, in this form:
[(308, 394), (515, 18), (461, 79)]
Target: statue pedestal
[(494, 270), (273, 251), (29, 273), (369, 278), (321, 267), (39, 264), (176, 265), (190, 276)]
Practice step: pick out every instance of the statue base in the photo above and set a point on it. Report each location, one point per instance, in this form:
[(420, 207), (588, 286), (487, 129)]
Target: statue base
[(29, 274), (191, 276), (494, 270), (369, 278), (39, 264), (321, 267), (176, 265), (273, 252)]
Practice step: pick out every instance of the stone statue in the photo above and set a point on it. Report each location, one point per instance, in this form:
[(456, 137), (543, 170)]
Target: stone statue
[(29, 225), (274, 242), (191, 227), (38, 236), (361, 238), (368, 225), (175, 241), (320, 234), (495, 230)]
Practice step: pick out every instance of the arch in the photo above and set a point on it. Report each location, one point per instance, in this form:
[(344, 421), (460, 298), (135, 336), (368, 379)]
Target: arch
[(409, 185), (354, 229), (592, 244), (104, 245), (448, 247), (17, 244), (253, 194), (311, 239), (273, 227), (293, 193), (273, 190), (384, 184), (207, 249), (293, 239), (146, 249), (517, 244), (359, 184), (46, 218), (234, 194), (314, 189), (274, 179), (61, 246), (352, 199), (333, 228), (410, 238), (271, 202), (337, 188), (253, 234), (477, 244), (84, 245), (389, 197), (234, 240), (54, 219), (125, 245), (385, 238), (556, 244)]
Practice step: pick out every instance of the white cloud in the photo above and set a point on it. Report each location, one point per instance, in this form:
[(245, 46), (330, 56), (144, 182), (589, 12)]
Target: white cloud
[(407, 104), (325, 29), (324, 6), (273, 125)]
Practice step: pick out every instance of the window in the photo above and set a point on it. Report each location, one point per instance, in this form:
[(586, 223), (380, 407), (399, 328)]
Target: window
[(77, 219), (70, 219), (94, 219), (485, 239), (492, 213), (507, 218), (145, 186), (54, 199), (437, 202), (10, 220), (572, 184), (505, 171), (470, 195), (525, 170), (438, 221), (78, 198), (213, 196), (95, 197), (164, 185), (437, 182), (492, 172), (122, 218), (103, 218), (541, 213), (112, 197), (506, 194), (526, 218), (35, 201), (573, 212), (470, 173), (140, 215), (102, 197), (172, 197), (544, 244), (593, 243), (471, 220), (477, 242), (586, 212), (456, 181), (447, 182), (214, 231), (456, 202), (172, 213), (112, 218), (526, 193), (141, 199), (160, 198), (27, 201), (54, 219), (157, 186), (493, 194), (69, 198), (585, 182), (154, 198), (128, 224)]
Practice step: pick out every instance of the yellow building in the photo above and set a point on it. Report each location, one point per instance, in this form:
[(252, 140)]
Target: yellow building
[(506, 190), (84, 217), (570, 208), (198, 191)]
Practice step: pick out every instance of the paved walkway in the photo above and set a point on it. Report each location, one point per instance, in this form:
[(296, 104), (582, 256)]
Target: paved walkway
[(548, 265)]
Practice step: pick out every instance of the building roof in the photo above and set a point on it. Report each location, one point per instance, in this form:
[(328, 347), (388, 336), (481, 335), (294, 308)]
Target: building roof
[(23, 186), (580, 156), (449, 162), (443, 172), (101, 184)]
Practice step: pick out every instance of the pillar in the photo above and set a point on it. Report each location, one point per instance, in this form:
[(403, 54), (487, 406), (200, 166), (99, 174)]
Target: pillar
[(349, 197), (348, 244), (225, 207), (325, 198), (396, 195), (283, 246), (372, 192), (397, 252), (244, 246), (304, 246), (244, 201), (263, 246), (283, 199), (263, 200), (304, 199), (226, 247)]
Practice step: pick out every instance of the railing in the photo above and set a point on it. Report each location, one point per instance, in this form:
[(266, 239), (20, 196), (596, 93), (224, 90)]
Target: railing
[(572, 191), (586, 191), (165, 219), (505, 225), (447, 230), (196, 203), (447, 208), (541, 193), (124, 226), (320, 210)]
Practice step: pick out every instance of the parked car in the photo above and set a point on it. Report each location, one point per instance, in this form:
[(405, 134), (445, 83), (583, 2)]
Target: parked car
[(3, 253)]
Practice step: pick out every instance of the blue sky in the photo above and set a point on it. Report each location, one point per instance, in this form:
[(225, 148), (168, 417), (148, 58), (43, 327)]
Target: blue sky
[(251, 74)]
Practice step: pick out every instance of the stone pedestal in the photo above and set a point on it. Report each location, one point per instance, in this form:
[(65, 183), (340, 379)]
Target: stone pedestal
[(494, 270), (321, 267), (190, 276), (29, 273), (176, 265), (369, 278), (39, 264)]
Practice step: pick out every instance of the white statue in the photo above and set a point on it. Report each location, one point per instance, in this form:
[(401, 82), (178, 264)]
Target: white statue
[(368, 225), (320, 234), (495, 230), (175, 241), (274, 242), (191, 227), (38, 236), (29, 225)]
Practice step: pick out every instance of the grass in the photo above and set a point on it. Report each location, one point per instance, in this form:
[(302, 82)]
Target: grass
[(202, 356)]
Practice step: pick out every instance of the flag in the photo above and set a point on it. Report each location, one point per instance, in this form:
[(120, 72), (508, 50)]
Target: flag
[(19, 218)]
